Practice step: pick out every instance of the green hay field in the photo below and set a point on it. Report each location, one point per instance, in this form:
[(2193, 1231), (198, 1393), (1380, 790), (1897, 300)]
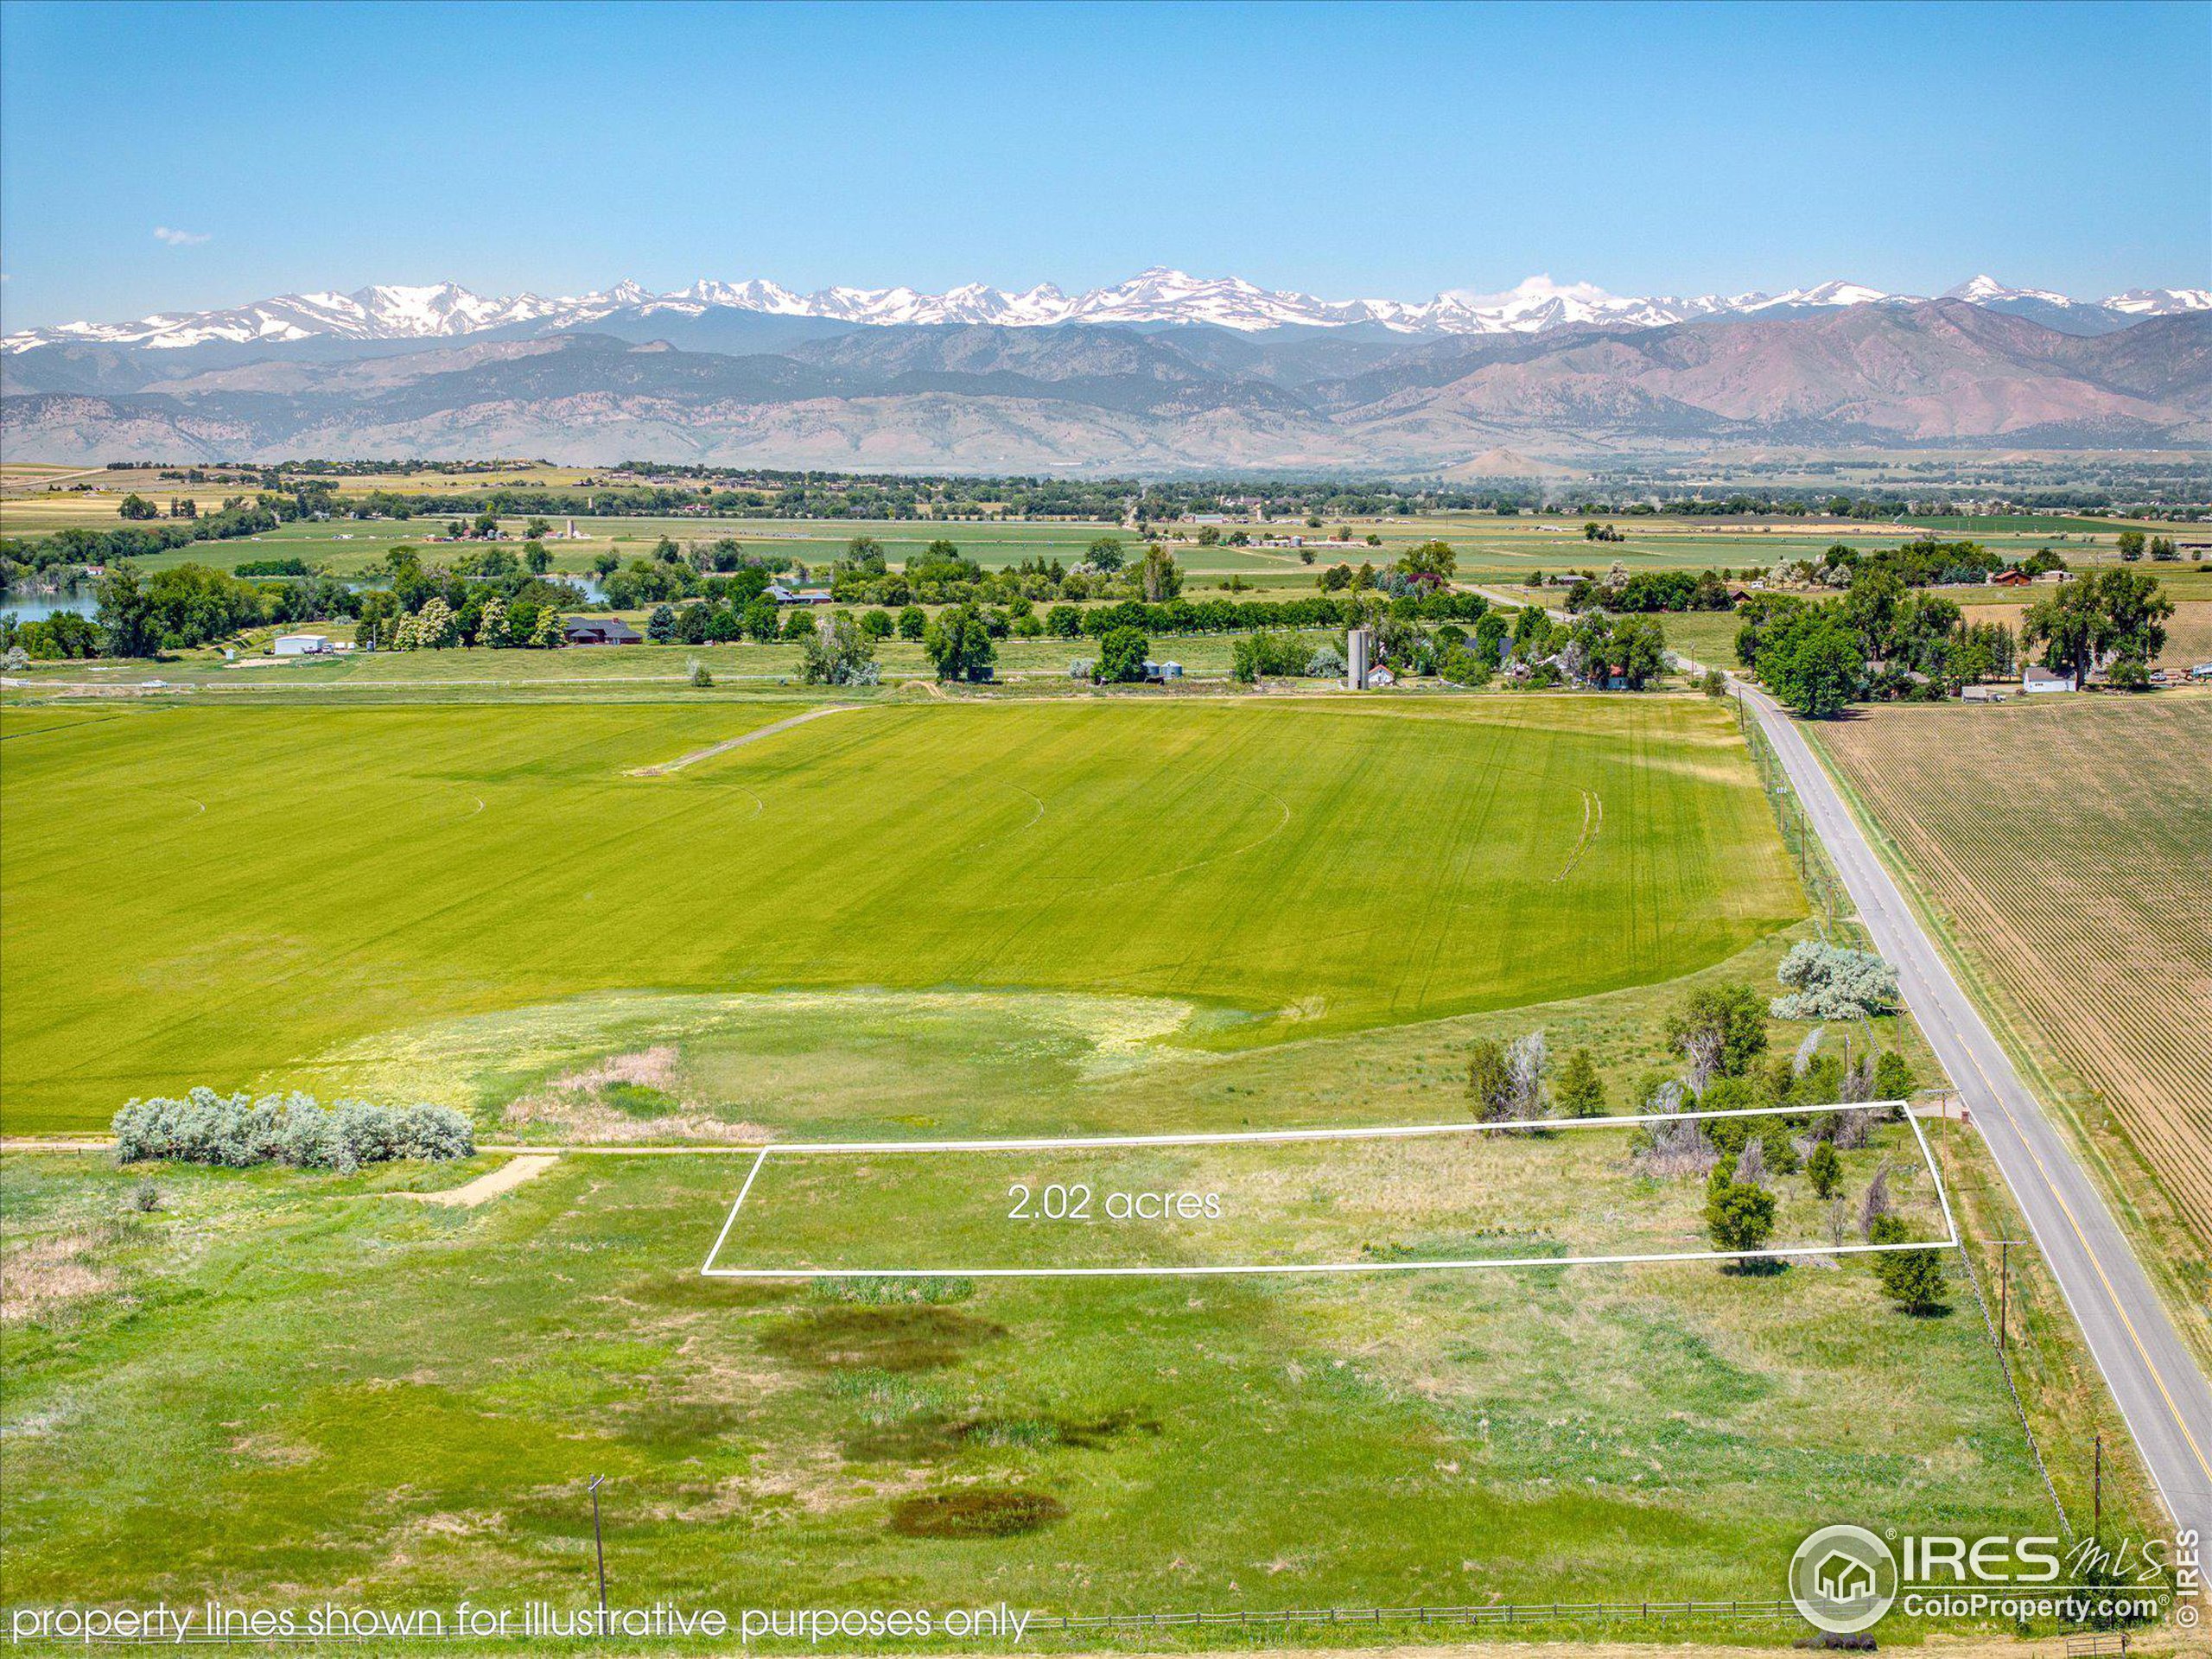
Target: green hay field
[(249, 896)]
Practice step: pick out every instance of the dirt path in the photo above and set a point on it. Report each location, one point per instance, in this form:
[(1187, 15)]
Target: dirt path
[(487, 1186), (728, 744), (35, 1143)]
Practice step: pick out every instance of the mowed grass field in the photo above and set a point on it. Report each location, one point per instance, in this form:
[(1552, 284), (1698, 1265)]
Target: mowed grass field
[(2061, 844), (246, 896)]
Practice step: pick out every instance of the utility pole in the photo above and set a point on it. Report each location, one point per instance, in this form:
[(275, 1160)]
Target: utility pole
[(2097, 1493), (599, 1549)]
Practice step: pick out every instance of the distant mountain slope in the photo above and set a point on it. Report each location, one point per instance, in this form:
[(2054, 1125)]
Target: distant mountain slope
[(1075, 397)]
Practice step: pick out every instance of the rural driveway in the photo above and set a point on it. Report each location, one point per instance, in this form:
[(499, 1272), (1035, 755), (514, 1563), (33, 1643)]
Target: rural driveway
[(2160, 1392)]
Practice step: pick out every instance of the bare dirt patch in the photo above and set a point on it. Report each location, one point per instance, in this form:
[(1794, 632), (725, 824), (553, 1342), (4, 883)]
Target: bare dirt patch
[(488, 1185), (622, 1098)]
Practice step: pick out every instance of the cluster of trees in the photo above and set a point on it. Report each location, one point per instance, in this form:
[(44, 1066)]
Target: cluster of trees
[(671, 572), (1721, 1033), (1927, 563), (1651, 590), (942, 575), (237, 1132), (1514, 1081), (1121, 654), (1265, 655), (1883, 640), (2116, 618), (63, 636), (190, 604), (837, 652), (499, 601), (2133, 547), (959, 644), (1595, 648), (136, 506)]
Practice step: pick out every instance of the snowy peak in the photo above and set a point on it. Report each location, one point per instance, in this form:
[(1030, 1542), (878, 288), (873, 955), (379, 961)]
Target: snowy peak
[(1988, 290), (444, 311), (2160, 302)]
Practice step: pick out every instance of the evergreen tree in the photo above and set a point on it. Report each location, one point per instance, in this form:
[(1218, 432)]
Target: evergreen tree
[(1581, 1093), (1911, 1279)]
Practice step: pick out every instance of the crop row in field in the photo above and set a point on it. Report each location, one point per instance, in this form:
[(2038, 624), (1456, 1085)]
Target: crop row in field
[(2063, 846)]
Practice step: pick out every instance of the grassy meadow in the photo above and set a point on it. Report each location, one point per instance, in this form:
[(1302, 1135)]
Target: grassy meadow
[(1505, 1195), (186, 1418), (269, 888)]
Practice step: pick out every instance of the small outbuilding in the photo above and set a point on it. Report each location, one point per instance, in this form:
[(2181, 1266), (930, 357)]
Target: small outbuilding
[(2034, 679), (599, 630)]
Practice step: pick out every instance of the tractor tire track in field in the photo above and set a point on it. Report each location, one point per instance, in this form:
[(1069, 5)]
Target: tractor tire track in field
[(1036, 816), (1283, 824), (1591, 828), (723, 747)]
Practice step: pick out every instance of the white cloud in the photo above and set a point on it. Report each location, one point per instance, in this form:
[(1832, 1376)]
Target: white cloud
[(178, 238)]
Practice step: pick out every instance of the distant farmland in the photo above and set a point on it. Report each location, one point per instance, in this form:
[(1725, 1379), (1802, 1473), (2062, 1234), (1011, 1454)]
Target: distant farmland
[(2062, 845)]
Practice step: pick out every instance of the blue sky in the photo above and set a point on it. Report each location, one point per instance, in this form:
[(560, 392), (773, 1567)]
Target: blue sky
[(1342, 151)]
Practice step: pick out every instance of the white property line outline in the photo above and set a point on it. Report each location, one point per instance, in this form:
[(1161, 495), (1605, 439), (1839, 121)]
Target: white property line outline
[(1381, 1132)]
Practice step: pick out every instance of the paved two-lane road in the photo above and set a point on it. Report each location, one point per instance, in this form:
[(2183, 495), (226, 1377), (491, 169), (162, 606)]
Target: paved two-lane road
[(2159, 1390)]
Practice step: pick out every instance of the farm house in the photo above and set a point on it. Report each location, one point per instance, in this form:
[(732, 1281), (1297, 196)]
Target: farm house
[(599, 630)]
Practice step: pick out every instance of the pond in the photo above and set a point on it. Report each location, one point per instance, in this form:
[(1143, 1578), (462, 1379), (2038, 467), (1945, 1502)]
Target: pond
[(35, 605)]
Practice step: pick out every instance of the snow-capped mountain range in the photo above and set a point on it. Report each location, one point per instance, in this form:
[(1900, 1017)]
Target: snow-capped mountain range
[(447, 310)]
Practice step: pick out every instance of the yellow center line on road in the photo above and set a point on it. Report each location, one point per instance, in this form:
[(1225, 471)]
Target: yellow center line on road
[(1997, 1096), (2119, 1307)]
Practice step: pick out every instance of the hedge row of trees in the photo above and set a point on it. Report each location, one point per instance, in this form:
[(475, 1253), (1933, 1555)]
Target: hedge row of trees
[(78, 547), (238, 1132)]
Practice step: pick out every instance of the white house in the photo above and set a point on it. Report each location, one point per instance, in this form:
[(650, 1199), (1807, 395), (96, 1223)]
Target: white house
[(300, 644), (2033, 680)]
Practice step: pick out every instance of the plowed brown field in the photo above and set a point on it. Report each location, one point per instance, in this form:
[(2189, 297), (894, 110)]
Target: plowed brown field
[(2065, 843)]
